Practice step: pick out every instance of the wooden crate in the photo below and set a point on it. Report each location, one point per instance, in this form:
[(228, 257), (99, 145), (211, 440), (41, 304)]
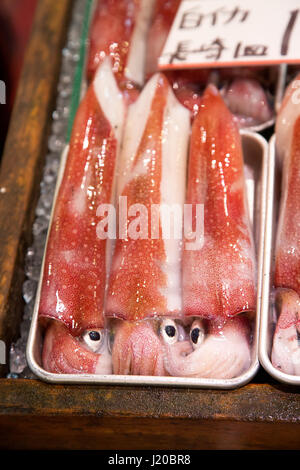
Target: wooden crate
[(33, 415)]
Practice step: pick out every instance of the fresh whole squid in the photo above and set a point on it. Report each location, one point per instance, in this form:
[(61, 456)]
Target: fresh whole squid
[(219, 274), (145, 278), (248, 101), (243, 88), (286, 350), (76, 261), (188, 87)]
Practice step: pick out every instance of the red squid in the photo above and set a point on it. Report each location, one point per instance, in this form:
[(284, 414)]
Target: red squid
[(119, 30), (219, 271), (76, 261), (145, 278)]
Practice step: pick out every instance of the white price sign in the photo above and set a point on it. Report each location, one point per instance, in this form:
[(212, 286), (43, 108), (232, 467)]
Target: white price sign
[(219, 33)]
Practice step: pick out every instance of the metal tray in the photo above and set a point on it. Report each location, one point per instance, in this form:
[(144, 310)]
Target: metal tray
[(267, 322), (255, 156)]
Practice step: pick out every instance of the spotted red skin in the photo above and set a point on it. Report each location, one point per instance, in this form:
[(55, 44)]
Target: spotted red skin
[(287, 256), (212, 286), (136, 278), (189, 99), (163, 17), (65, 354), (75, 270), (188, 87), (110, 35)]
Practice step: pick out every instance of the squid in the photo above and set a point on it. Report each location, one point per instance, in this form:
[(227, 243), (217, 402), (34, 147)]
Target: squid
[(119, 30), (248, 101), (71, 307), (219, 272), (187, 84), (286, 351), (188, 87), (163, 17), (145, 278)]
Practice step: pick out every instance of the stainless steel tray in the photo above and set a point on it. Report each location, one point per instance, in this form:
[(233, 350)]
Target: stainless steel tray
[(255, 156), (267, 323)]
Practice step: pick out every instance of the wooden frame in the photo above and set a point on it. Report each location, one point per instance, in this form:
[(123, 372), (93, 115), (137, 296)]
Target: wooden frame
[(33, 415)]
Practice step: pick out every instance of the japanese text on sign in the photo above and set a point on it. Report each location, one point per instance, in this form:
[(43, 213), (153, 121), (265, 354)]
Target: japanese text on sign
[(225, 33)]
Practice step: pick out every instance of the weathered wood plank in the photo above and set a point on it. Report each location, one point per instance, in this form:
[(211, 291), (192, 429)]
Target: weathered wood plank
[(37, 415), (24, 153)]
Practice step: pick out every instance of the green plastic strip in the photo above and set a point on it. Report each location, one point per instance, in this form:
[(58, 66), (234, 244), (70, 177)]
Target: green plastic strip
[(75, 98)]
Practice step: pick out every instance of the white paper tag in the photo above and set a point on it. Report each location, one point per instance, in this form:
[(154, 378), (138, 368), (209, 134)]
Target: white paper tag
[(223, 33)]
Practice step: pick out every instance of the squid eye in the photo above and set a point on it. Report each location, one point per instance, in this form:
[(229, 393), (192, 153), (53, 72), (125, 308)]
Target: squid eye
[(197, 334), (169, 331), (94, 339)]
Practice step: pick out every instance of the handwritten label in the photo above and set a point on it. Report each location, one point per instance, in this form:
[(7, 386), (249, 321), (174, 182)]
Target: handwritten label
[(216, 33)]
